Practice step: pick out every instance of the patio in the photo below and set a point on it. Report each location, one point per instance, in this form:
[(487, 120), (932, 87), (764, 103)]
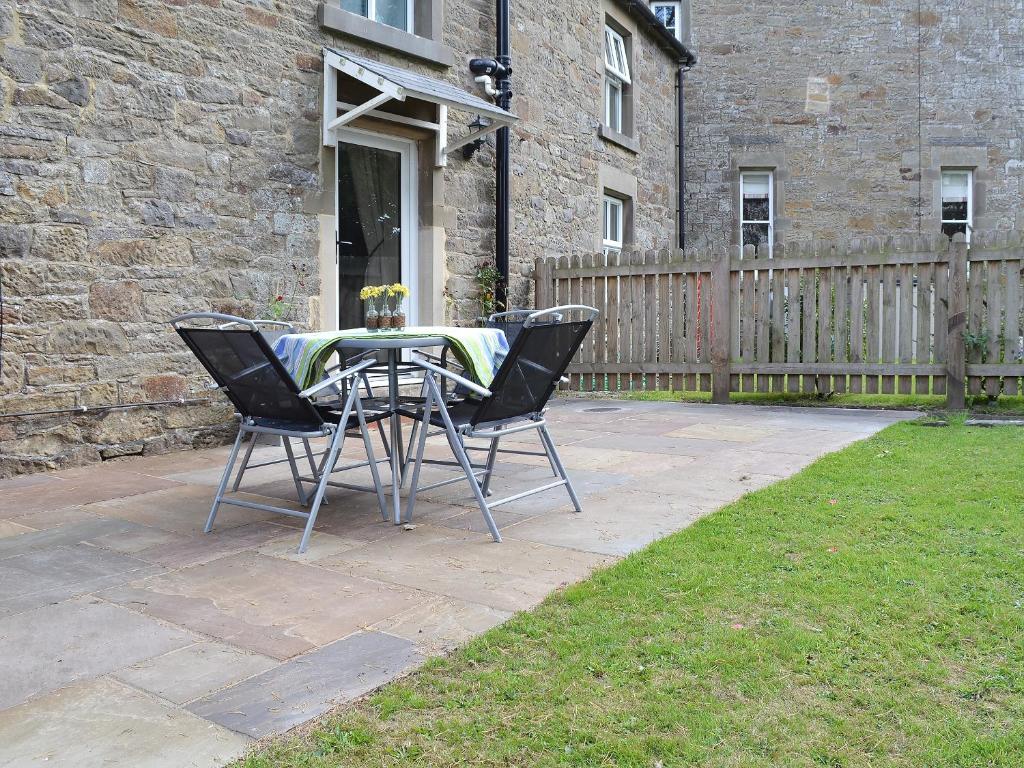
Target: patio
[(134, 639)]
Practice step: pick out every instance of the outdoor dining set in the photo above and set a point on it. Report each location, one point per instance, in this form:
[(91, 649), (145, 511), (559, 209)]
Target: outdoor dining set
[(465, 383)]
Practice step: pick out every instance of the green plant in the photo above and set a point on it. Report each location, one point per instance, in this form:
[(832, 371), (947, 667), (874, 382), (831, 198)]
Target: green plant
[(976, 342), (487, 279)]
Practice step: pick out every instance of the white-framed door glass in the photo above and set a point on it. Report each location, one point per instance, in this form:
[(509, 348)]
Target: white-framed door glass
[(375, 221), (612, 224), (394, 13), (757, 209), (670, 14), (957, 202)]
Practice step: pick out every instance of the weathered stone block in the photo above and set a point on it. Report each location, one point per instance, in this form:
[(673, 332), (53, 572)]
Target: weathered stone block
[(97, 337), (123, 426), (156, 252), (179, 417), (165, 386), (120, 301), (15, 241), (55, 242), (23, 65)]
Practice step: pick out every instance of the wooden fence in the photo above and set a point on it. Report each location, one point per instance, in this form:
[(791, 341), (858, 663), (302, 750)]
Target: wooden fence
[(901, 315)]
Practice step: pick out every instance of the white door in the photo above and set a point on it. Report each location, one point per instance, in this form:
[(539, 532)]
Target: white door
[(375, 221)]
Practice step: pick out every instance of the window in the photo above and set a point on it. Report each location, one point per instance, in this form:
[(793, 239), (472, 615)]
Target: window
[(394, 13), (957, 202), (612, 226), (671, 15), (616, 77), (756, 209)]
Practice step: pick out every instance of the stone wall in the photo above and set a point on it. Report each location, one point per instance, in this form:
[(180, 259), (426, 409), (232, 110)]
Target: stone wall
[(161, 157), (857, 104)]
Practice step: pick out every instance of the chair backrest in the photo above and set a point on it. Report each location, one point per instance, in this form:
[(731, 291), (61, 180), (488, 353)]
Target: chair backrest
[(252, 376), (533, 367)]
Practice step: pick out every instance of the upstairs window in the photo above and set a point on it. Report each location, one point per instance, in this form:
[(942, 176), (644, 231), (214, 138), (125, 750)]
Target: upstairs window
[(757, 224), (616, 78), (671, 15), (394, 13), (957, 202), (612, 226)]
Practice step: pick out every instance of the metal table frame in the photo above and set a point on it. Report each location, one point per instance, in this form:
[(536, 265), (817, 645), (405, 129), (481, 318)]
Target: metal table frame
[(393, 348)]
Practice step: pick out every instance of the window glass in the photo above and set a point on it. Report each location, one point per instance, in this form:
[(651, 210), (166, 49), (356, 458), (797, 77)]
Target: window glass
[(756, 208), (956, 202), (668, 14), (613, 105), (356, 6), (616, 61), (394, 13), (612, 223)]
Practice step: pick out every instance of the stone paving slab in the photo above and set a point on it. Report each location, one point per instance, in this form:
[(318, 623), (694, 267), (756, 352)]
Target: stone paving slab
[(265, 604), (194, 671), (132, 638), (307, 686), (106, 723), (45, 576), (53, 646)]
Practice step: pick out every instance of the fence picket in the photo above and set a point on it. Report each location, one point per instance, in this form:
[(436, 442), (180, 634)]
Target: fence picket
[(856, 294), (975, 303), (1012, 333), (890, 326), (995, 299), (793, 316), (922, 342), (906, 326), (823, 383)]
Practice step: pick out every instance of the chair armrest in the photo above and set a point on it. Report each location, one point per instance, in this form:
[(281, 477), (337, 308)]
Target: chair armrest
[(472, 386), (334, 378), (532, 318), (511, 313), (229, 319), (437, 360)]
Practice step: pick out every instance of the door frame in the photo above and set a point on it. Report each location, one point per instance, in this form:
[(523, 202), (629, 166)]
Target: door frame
[(410, 211)]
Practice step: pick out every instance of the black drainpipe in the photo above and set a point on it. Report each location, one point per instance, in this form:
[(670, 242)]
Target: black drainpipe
[(501, 183), (681, 153)]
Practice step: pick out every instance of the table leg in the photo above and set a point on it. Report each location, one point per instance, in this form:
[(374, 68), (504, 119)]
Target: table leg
[(396, 436)]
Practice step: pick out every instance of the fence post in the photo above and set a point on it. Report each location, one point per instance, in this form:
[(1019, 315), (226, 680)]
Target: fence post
[(721, 331), (957, 312), (542, 279)]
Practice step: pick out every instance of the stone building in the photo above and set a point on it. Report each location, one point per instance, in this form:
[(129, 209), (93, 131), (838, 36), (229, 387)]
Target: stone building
[(853, 118), (161, 157)]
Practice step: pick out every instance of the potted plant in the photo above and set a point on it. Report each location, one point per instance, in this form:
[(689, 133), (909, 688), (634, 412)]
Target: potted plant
[(370, 294), (399, 292)]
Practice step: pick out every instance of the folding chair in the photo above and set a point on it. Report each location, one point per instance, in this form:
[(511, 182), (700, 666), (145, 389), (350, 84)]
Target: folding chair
[(269, 402), (514, 403)]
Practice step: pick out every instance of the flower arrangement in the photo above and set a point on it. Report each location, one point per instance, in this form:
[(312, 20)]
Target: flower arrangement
[(379, 313), (399, 293)]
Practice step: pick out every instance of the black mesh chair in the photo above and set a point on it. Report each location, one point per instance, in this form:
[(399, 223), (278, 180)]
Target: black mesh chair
[(269, 402), (515, 402)]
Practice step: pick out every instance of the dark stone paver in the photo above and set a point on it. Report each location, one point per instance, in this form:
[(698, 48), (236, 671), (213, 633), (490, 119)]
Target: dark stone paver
[(305, 687)]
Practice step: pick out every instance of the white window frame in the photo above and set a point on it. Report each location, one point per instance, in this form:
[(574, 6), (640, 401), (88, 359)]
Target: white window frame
[(613, 215), (771, 205), (371, 14), (613, 104), (678, 7), (969, 221), (616, 77)]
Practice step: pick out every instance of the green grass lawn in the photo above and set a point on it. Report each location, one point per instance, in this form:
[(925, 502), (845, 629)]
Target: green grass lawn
[(867, 612)]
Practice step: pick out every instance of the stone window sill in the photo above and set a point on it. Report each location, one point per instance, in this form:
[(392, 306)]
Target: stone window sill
[(333, 18), (621, 139)]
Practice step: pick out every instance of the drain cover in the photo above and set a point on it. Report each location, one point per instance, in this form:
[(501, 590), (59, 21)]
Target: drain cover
[(605, 409)]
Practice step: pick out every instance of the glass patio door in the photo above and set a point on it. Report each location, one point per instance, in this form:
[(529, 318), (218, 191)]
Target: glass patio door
[(375, 218)]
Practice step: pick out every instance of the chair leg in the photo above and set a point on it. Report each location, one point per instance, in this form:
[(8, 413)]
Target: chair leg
[(424, 427), (371, 457), (549, 448), (384, 439), (224, 480), (492, 455), (295, 470), (309, 456), (331, 457), (410, 450), (455, 441), (245, 462)]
